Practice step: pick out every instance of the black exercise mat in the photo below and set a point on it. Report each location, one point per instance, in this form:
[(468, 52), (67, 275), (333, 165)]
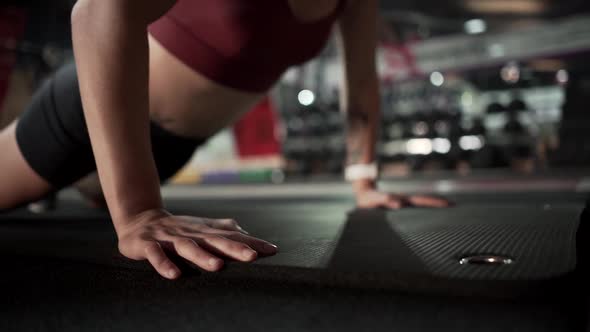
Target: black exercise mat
[(337, 269), (57, 295), (414, 250)]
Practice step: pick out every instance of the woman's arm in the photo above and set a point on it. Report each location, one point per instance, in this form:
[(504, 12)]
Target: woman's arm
[(111, 49), (360, 100), (360, 91)]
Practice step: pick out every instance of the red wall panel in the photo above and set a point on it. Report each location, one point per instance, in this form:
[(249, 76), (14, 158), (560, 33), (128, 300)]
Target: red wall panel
[(12, 27)]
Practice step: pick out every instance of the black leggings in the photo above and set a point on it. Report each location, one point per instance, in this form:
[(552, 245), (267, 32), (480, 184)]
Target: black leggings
[(53, 137)]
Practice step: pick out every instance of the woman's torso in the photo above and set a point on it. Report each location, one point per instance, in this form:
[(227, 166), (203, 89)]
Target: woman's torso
[(198, 99)]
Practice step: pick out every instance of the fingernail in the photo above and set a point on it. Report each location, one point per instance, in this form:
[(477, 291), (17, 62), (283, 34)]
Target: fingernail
[(249, 254), (270, 247), (172, 274), (213, 262), (243, 230)]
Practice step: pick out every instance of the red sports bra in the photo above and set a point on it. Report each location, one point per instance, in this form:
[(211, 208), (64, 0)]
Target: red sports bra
[(242, 44)]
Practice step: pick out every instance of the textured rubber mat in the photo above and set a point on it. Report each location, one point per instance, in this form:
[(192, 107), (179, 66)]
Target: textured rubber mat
[(337, 270), (539, 242), (413, 250)]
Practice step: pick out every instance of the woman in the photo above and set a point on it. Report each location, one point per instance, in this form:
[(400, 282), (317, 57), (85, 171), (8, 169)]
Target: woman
[(202, 64)]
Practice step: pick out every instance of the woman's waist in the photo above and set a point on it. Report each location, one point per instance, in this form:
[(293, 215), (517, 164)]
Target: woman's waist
[(200, 117), (188, 101)]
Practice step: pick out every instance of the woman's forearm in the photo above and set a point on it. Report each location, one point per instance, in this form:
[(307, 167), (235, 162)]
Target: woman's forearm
[(111, 50), (362, 123), (360, 98)]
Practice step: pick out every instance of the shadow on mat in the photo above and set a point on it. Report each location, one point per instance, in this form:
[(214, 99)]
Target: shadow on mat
[(583, 270), (368, 243)]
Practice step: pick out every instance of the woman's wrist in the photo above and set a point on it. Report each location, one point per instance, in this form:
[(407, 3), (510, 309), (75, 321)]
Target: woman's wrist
[(360, 186), (363, 177), (123, 222)]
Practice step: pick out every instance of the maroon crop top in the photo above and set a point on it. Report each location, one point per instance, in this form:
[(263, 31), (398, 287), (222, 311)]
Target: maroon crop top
[(242, 44)]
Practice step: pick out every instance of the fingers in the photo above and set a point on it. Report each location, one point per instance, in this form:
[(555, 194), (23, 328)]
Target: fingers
[(230, 248), (428, 201), (192, 252), (397, 202), (161, 263), (199, 241), (226, 224), (229, 232), (263, 247), (393, 203)]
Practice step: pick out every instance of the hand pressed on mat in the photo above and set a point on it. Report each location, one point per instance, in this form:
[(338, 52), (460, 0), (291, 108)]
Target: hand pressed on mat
[(152, 235), (372, 198)]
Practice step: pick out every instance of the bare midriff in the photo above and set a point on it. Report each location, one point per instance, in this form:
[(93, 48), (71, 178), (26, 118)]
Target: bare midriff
[(189, 104), (192, 91)]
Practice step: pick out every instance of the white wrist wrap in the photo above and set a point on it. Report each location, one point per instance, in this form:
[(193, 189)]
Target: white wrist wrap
[(361, 172)]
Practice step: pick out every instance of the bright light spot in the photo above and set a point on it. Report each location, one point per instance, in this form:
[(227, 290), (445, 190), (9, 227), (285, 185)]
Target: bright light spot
[(562, 76), (445, 186), (437, 79), (421, 146), (441, 145), (420, 129), (467, 99), (475, 26), (471, 143), (394, 148), (496, 50), (510, 73), (306, 97), (290, 75)]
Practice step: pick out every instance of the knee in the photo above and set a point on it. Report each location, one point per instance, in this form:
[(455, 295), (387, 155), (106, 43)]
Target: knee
[(11, 201), (6, 204)]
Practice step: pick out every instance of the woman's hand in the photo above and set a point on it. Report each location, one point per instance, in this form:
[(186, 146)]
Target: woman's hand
[(371, 198), (153, 235)]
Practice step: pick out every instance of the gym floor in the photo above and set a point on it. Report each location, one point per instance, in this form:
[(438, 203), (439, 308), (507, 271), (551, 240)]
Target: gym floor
[(337, 269)]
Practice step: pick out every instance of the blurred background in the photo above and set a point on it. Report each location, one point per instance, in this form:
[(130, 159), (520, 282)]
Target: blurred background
[(468, 87)]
